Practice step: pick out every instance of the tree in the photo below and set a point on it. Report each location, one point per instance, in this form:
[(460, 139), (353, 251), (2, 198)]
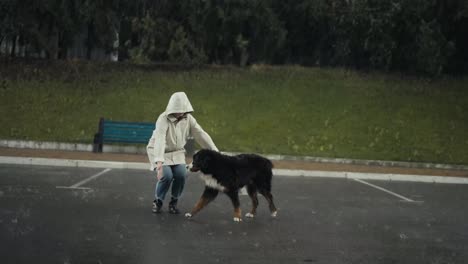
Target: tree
[(182, 49)]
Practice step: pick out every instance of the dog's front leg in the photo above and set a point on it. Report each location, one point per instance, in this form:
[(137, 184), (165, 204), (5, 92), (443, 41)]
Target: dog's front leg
[(208, 195), (234, 196)]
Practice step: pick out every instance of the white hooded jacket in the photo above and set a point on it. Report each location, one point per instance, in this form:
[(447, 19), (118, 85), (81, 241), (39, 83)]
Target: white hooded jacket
[(170, 134)]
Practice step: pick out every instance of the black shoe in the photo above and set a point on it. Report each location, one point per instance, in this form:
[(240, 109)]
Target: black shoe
[(157, 206), (173, 207)]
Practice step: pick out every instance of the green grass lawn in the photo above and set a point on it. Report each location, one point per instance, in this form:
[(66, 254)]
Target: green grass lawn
[(272, 110)]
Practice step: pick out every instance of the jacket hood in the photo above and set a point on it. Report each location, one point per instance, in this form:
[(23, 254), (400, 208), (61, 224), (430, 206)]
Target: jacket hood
[(179, 103)]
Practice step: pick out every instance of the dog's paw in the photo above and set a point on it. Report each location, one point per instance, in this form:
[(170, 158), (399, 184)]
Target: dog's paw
[(249, 215), (237, 219), (274, 214), (188, 215)]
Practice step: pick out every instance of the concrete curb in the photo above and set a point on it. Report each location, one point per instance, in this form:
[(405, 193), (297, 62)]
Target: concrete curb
[(142, 150), (73, 163), (282, 172), (28, 144)]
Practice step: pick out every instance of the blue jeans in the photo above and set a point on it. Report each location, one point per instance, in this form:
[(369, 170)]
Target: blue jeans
[(174, 174)]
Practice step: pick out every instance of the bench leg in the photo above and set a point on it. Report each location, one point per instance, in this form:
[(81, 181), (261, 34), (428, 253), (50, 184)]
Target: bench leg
[(97, 146)]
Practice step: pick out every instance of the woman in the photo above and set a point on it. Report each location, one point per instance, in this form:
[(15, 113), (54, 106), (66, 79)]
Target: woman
[(166, 151)]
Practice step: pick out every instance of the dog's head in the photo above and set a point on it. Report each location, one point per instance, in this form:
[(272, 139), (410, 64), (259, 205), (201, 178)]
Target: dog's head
[(201, 161)]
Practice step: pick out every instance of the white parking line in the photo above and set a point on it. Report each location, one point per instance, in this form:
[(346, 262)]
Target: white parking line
[(387, 191), (75, 188), (78, 184)]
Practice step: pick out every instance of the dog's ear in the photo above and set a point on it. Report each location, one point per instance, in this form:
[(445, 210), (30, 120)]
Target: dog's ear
[(205, 164)]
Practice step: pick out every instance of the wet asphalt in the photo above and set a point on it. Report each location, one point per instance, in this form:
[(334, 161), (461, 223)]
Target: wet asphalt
[(108, 219)]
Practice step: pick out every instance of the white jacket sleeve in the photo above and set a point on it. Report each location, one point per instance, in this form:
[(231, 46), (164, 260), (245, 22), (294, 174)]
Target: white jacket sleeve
[(159, 136), (200, 136)]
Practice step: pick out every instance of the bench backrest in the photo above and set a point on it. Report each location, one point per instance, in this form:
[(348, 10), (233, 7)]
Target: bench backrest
[(126, 132)]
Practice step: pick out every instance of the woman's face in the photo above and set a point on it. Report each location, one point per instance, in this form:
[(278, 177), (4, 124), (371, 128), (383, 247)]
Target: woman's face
[(178, 115)]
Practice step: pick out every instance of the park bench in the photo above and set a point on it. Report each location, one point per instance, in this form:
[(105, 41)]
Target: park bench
[(121, 132), (128, 132)]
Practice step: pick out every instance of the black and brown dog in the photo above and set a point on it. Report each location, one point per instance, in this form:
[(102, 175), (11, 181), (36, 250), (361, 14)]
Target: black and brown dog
[(229, 174)]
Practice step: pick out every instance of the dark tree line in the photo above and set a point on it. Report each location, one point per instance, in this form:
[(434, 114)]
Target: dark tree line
[(417, 36)]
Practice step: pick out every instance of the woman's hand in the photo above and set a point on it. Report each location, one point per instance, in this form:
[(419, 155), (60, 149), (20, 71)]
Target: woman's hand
[(159, 170)]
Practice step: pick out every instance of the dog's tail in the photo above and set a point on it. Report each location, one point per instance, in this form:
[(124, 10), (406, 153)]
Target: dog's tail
[(269, 167), (270, 164)]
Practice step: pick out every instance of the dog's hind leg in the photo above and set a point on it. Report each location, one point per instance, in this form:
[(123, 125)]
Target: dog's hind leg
[(208, 195), (234, 196), (269, 197), (252, 191)]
